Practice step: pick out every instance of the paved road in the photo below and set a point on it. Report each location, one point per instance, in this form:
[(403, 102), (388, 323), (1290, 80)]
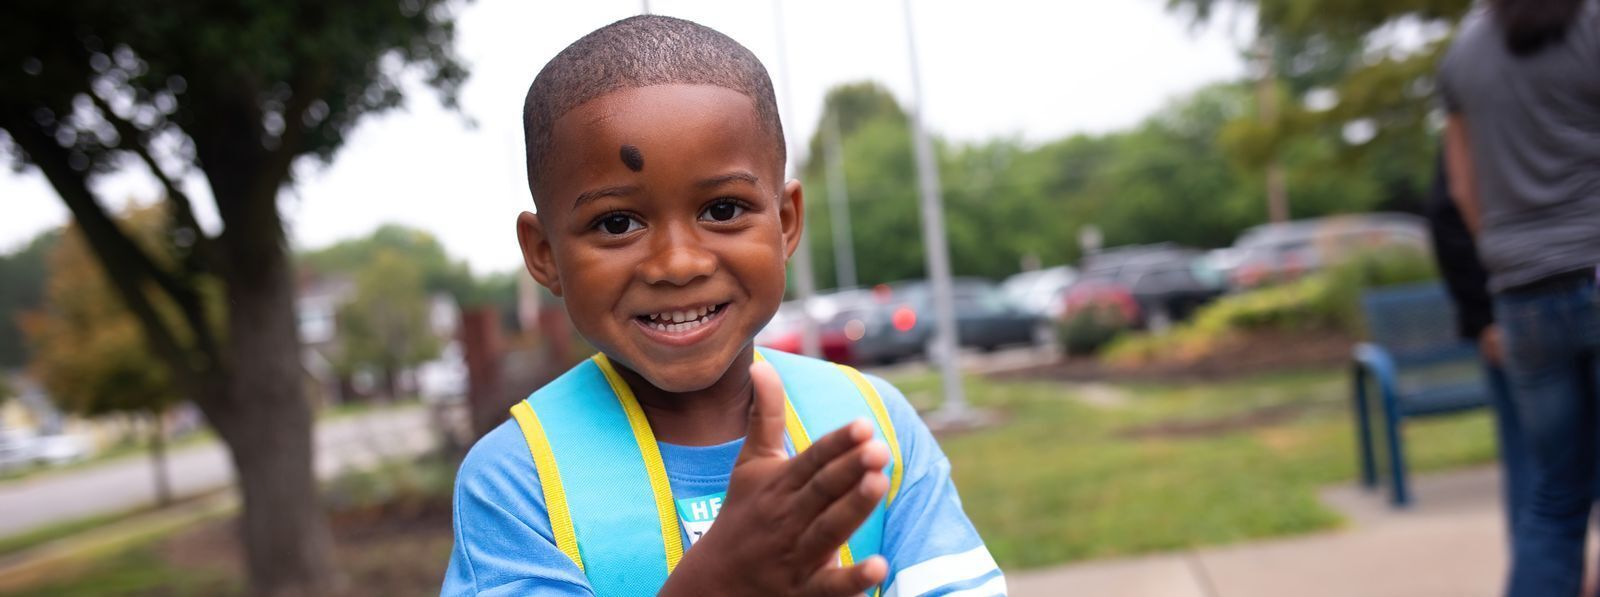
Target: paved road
[(124, 484)]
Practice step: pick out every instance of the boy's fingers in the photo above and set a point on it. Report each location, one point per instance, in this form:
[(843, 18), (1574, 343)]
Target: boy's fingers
[(825, 450), (838, 477), (765, 435), (841, 518), (855, 580)]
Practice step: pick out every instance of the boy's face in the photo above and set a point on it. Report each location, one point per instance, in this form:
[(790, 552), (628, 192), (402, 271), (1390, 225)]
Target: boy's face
[(665, 223)]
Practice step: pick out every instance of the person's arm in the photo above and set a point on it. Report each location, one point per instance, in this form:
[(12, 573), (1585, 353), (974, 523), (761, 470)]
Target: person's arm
[(1461, 170), (503, 541), (931, 545)]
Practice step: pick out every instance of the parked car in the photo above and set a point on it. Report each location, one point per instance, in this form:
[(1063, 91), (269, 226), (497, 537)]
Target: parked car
[(901, 325), (1040, 292), (785, 331), (20, 449), (1168, 282), (1288, 250)]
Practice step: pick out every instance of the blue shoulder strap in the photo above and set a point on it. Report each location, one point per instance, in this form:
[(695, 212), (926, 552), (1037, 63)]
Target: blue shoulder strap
[(607, 489)]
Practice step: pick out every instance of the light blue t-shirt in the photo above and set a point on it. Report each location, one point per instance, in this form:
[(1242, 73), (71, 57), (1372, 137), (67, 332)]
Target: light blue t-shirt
[(504, 545)]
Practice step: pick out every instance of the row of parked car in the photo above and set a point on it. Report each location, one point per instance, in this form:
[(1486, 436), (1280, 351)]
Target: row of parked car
[(1150, 286)]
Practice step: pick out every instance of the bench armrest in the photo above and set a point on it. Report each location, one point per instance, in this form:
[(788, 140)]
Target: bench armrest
[(1379, 363)]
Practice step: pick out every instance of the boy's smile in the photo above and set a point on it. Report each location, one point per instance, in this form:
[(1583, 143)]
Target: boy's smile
[(665, 223)]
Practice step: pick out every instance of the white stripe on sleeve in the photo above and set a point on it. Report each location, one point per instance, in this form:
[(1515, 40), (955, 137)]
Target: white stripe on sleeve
[(995, 586), (943, 570)]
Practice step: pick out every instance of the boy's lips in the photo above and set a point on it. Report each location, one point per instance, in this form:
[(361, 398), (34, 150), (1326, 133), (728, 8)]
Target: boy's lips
[(682, 327)]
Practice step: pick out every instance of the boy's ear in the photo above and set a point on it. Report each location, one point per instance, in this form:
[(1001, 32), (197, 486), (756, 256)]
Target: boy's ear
[(791, 215), (536, 253)]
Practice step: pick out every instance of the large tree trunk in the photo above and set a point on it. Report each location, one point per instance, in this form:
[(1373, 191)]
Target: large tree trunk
[(268, 421)]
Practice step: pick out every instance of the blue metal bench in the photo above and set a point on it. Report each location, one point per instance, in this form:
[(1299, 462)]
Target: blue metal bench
[(1420, 367)]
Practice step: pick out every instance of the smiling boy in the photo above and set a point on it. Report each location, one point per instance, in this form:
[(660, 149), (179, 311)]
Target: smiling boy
[(655, 160)]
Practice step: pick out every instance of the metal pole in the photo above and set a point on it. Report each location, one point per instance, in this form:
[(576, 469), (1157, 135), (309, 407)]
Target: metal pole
[(933, 239), (646, 7), (805, 279), (844, 253)]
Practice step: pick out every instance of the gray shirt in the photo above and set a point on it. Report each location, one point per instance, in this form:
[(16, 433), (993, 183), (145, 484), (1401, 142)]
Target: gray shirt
[(1534, 124)]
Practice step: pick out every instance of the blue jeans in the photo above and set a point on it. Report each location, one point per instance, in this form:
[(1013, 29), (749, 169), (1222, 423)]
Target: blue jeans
[(1551, 341), (1516, 471)]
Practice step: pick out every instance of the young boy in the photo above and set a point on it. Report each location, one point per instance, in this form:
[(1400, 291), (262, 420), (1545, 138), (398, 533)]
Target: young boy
[(655, 159)]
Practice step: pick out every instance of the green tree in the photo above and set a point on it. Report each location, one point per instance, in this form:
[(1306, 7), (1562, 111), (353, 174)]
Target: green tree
[(1380, 85), (21, 289), (439, 272), (89, 352), (385, 325), (881, 186), (235, 92)]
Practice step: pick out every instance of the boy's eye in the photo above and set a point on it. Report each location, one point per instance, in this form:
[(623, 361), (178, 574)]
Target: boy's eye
[(618, 224), (722, 211)]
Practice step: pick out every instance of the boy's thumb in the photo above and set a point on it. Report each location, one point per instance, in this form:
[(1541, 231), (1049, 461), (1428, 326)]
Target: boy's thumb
[(765, 435)]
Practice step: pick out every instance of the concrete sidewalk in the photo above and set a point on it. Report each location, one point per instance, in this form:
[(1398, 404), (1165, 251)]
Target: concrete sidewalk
[(1450, 543)]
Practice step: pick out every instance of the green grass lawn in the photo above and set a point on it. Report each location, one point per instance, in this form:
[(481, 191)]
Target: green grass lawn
[(1063, 479)]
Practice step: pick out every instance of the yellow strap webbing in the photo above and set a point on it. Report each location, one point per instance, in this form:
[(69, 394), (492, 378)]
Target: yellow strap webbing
[(671, 537), (555, 495), (875, 402)]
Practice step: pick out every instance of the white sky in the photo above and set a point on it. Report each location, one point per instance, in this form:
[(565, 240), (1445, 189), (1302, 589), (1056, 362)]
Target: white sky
[(1035, 69)]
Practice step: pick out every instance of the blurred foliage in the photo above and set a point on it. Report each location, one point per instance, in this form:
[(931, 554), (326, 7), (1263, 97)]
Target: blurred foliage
[(385, 326), (21, 289), (1090, 328), (1328, 301), (1167, 179), (1373, 63), (88, 350), (439, 272), (393, 483)]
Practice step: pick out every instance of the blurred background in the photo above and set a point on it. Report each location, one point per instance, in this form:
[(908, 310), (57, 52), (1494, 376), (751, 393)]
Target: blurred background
[(260, 289)]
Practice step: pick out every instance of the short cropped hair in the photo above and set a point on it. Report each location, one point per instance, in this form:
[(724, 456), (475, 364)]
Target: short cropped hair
[(636, 52)]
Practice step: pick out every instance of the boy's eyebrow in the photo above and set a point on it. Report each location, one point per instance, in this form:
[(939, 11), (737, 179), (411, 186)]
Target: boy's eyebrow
[(592, 194), (738, 175), (624, 190)]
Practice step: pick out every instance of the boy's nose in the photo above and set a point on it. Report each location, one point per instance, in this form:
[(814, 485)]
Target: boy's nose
[(677, 260)]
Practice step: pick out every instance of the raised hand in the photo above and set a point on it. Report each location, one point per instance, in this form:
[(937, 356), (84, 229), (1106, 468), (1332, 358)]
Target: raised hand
[(784, 519)]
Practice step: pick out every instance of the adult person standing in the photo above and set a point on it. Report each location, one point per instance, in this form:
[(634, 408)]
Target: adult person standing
[(1522, 86)]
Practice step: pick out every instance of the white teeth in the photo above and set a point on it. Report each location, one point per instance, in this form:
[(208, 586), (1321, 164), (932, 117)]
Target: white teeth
[(680, 321)]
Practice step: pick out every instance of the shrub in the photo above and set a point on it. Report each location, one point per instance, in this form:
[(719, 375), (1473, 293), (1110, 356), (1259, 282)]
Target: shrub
[(1327, 301), (1088, 328)]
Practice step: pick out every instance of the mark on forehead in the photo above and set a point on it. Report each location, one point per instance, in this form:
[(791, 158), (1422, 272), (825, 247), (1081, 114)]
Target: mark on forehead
[(632, 158)]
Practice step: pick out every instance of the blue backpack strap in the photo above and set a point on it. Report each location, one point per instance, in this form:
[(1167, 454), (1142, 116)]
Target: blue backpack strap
[(827, 397), (613, 495)]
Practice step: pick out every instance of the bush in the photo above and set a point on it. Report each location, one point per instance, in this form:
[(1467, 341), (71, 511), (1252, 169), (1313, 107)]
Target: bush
[(1328, 301), (1089, 328)]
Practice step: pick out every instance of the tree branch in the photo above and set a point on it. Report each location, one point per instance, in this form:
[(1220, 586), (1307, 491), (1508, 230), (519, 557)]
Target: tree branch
[(187, 299), (305, 90), (125, 264), (182, 208)]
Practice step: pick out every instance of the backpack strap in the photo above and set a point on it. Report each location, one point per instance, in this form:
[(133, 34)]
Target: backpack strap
[(610, 479)]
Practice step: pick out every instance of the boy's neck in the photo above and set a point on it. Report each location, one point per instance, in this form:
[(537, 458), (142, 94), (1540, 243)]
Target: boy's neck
[(715, 415)]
